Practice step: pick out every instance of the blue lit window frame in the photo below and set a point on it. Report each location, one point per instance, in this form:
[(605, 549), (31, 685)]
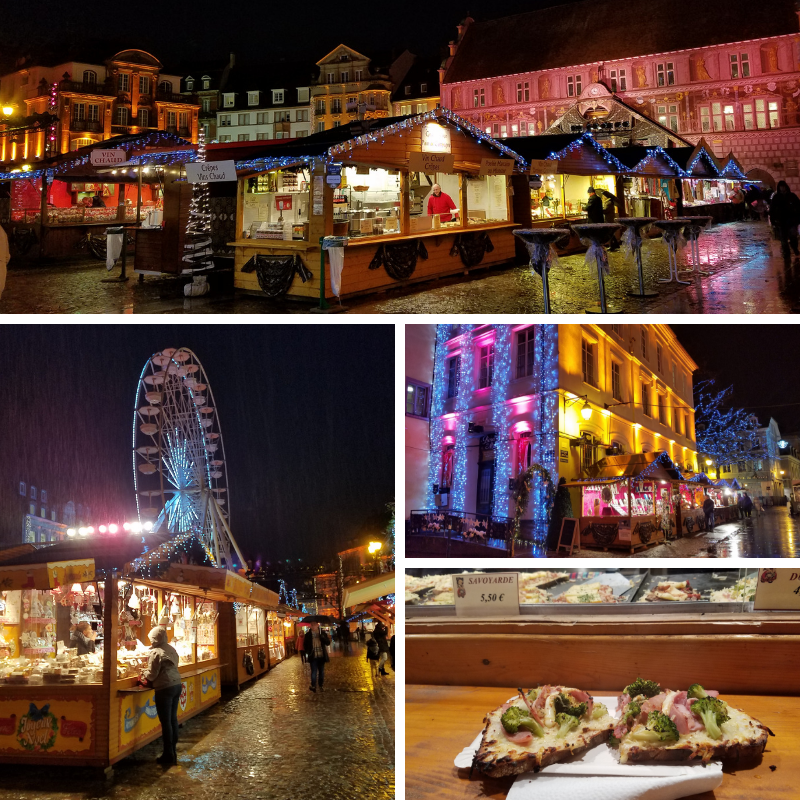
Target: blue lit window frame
[(427, 389)]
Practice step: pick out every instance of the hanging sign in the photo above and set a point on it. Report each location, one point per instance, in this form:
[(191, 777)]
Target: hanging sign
[(496, 166), (543, 167), (317, 195), (489, 594), (431, 162), (210, 171), (107, 158), (435, 138), (778, 590), (283, 202)]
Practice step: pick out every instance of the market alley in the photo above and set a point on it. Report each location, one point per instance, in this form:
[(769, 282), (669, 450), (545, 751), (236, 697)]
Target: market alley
[(275, 740)]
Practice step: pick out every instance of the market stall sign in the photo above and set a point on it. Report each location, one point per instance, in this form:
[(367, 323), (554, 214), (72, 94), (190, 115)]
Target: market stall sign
[(48, 726), (210, 171), (33, 577), (283, 202), (486, 594), (496, 166), (778, 590), (64, 573), (435, 138), (107, 158), (543, 167), (431, 162)]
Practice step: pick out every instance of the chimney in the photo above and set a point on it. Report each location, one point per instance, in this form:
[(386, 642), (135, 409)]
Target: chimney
[(232, 60)]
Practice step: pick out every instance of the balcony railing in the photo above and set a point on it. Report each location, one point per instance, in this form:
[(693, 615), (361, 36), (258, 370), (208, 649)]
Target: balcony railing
[(87, 88), (494, 532)]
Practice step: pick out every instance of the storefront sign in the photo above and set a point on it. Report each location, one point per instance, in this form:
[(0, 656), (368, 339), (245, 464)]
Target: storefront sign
[(486, 595), (496, 166), (431, 162), (778, 590), (236, 584), (107, 158), (543, 167), (334, 180), (210, 171), (435, 138), (564, 455), (46, 726), (283, 202)]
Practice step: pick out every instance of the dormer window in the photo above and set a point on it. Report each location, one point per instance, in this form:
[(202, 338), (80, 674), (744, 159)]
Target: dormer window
[(165, 86), (408, 90), (89, 76), (228, 99), (302, 95), (277, 96), (206, 82), (344, 57), (423, 87), (189, 84), (252, 98)]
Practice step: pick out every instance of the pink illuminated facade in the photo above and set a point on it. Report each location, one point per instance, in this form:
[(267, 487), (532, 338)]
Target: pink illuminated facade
[(723, 71)]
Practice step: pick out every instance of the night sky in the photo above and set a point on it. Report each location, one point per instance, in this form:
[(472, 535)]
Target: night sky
[(759, 361), (204, 32), (306, 413)]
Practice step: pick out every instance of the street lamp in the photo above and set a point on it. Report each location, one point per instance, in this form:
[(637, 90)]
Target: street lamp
[(374, 547), (586, 411), (8, 111), (709, 462)]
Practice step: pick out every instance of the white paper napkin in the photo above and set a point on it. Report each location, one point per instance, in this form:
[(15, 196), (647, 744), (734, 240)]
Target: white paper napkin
[(597, 775)]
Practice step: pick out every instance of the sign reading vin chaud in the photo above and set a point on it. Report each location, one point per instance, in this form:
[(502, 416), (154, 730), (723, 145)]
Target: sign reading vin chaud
[(210, 171), (486, 594), (430, 163)]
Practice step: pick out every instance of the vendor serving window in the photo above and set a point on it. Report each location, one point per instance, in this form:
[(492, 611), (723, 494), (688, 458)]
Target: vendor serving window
[(367, 203), (276, 205)]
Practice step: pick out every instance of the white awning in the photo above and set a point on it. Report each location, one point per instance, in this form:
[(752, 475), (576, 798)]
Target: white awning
[(368, 590)]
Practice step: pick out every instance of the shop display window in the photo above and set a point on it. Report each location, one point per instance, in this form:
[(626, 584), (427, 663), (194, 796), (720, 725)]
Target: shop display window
[(52, 636), (277, 649), (487, 199), (276, 205), (421, 189), (576, 189), (546, 203), (367, 203), (250, 625), (639, 590), (206, 622), (611, 500), (139, 609)]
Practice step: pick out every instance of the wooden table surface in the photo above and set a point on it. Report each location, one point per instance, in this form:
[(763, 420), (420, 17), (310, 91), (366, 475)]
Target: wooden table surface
[(442, 720)]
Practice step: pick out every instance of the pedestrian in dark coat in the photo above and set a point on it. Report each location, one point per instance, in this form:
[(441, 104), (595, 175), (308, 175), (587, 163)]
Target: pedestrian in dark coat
[(391, 653), (784, 215), (708, 511), (380, 633), (594, 207), (747, 505), (315, 644)]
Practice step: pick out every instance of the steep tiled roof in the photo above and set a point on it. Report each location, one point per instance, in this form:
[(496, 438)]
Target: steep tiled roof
[(605, 30)]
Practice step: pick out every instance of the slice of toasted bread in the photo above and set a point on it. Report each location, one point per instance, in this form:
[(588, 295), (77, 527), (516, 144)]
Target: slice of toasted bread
[(742, 737), (497, 756)]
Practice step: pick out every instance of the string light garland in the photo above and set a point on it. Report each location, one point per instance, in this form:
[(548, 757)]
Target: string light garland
[(587, 138), (197, 249), (153, 563), (437, 410), (466, 386), (501, 413)]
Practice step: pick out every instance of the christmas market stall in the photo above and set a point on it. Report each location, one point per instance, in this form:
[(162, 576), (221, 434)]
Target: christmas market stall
[(127, 180), (364, 193), (372, 598), (627, 502)]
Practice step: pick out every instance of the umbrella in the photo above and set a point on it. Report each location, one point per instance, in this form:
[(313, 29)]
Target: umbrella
[(323, 620)]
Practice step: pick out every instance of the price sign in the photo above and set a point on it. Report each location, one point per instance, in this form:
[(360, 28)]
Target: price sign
[(486, 594), (778, 590)]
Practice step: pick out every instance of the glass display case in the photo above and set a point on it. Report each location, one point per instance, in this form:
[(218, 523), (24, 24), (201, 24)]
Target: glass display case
[(52, 636), (276, 205), (277, 648), (250, 625)]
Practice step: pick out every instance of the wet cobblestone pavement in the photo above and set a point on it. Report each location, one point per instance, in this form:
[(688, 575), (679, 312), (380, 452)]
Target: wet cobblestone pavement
[(774, 534), (273, 741), (746, 276)]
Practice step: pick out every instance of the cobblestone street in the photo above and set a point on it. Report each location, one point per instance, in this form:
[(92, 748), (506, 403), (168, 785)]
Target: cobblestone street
[(275, 740), (745, 276), (772, 535)]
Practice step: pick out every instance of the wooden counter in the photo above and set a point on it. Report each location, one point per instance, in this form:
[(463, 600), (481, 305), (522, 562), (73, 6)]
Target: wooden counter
[(441, 721)]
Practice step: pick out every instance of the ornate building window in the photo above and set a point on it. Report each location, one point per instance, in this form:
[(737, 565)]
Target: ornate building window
[(665, 73), (523, 92), (616, 381), (124, 82), (478, 98), (89, 76), (619, 80), (574, 87), (588, 362), (453, 375), (740, 65), (646, 410), (525, 352), (486, 366)]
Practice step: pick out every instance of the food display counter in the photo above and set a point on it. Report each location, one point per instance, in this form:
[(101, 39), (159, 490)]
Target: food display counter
[(276, 636), (371, 184), (461, 667)]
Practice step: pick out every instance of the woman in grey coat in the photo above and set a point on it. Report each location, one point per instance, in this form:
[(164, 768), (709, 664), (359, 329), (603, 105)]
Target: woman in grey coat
[(162, 675)]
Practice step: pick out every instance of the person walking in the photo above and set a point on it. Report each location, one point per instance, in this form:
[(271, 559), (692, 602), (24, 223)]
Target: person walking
[(747, 505), (708, 511), (391, 653), (610, 203), (316, 644), (594, 207), (380, 634), (373, 654), (757, 506), (162, 675), (740, 505), (784, 215), (299, 646)]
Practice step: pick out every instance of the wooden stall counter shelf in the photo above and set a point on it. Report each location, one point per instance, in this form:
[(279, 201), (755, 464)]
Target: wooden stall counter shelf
[(443, 720)]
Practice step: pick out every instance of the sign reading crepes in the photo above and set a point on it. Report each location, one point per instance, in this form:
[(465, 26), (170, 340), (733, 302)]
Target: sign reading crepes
[(107, 158), (496, 166), (435, 138), (486, 594), (543, 167), (210, 171), (776, 590), (431, 162)]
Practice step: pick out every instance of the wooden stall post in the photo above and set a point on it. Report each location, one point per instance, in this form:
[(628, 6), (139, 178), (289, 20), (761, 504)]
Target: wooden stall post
[(405, 202)]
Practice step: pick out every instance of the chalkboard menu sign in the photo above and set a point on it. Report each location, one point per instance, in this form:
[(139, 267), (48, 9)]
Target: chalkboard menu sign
[(569, 536)]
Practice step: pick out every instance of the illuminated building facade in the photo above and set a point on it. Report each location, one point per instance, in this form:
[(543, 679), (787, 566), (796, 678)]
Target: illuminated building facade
[(505, 397)]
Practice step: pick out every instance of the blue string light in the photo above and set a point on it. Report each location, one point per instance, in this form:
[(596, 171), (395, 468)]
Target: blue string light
[(437, 409), (465, 390), (501, 413)]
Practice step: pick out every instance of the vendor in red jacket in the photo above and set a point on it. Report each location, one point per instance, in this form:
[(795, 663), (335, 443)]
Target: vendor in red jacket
[(440, 203)]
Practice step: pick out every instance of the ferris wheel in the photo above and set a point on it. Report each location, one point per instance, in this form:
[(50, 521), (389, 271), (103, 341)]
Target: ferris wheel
[(179, 468)]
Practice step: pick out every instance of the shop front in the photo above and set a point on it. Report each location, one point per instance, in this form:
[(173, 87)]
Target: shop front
[(408, 199)]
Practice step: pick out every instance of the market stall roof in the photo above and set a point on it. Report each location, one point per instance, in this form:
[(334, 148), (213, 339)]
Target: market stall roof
[(701, 479), (645, 161), (336, 144), (12, 552), (732, 168), (368, 590), (698, 161), (656, 466), (576, 153)]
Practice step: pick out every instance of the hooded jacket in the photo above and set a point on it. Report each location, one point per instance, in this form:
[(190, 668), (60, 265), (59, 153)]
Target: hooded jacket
[(162, 668)]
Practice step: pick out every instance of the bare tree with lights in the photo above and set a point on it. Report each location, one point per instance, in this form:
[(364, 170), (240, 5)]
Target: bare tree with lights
[(723, 433), (197, 250)]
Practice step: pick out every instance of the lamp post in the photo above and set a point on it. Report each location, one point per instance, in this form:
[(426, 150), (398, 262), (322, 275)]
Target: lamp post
[(374, 549)]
